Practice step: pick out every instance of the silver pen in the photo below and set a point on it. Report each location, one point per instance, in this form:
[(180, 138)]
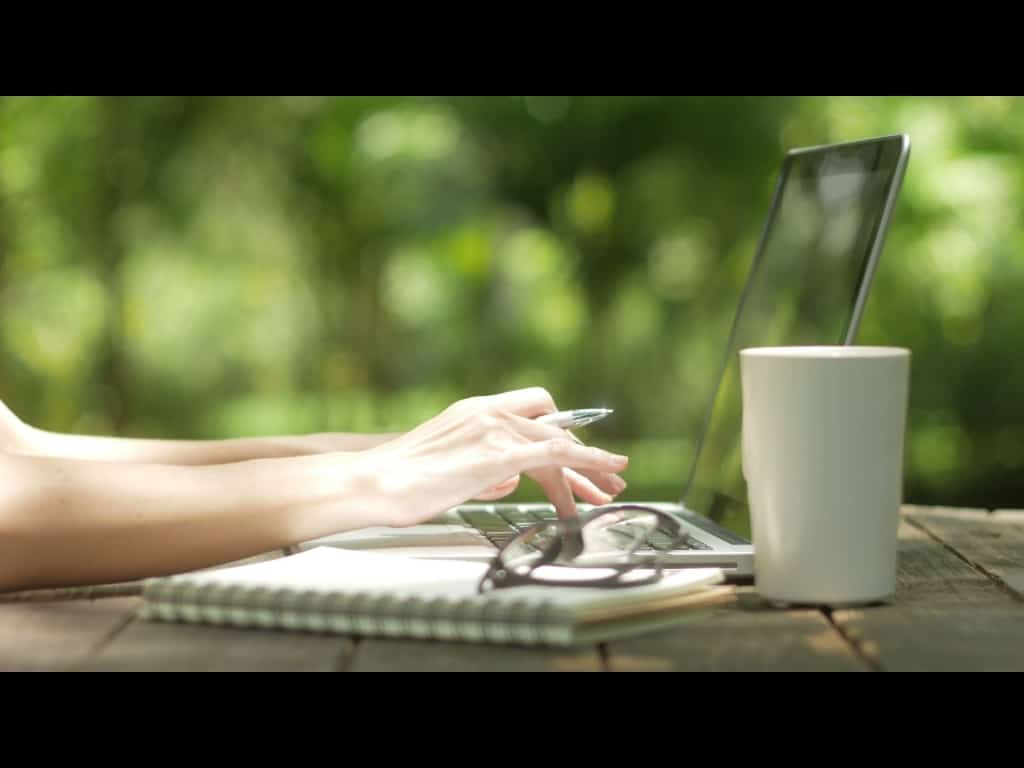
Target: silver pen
[(576, 418)]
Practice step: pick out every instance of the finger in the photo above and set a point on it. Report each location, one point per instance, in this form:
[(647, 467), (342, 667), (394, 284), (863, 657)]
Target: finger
[(562, 453), (607, 482), (611, 484), (500, 491), (528, 403), (556, 486), (585, 489), (534, 430)]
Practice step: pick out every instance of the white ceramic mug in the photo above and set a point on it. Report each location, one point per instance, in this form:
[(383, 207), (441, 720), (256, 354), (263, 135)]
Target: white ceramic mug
[(823, 431)]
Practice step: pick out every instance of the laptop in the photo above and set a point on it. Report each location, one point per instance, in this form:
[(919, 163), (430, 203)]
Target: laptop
[(807, 285)]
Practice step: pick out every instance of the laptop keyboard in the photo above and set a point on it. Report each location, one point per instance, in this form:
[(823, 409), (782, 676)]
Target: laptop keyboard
[(505, 522)]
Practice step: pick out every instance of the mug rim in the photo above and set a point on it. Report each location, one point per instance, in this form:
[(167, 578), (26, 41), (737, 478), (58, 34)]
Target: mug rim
[(826, 352)]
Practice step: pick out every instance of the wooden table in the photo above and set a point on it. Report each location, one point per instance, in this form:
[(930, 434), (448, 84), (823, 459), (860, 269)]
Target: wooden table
[(959, 606)]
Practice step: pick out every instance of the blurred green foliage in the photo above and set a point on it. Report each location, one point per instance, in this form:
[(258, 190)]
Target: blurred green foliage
[(212, 267)]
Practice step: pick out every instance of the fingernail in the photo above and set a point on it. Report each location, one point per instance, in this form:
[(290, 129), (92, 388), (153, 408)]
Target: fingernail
[(619, 483)]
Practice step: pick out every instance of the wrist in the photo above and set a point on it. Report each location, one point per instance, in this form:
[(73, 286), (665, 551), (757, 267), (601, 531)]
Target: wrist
[(329, 493)]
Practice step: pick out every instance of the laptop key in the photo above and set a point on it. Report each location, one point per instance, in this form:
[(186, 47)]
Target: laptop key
[(518, 517), (486, 521), (540, 511), (695, 543), (663, 541)]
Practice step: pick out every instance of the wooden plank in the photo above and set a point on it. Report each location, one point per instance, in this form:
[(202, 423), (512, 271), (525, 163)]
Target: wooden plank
[(167, 647), (153, 646), (948, 614), (991, 543), (744, 634), (88, 592), (945, 638), (751, 635), (961, 513), (931, 574), (37, 636), (386, 655), (1009, 515)]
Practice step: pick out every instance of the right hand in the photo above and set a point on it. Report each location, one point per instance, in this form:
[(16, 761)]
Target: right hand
[(480, 445)]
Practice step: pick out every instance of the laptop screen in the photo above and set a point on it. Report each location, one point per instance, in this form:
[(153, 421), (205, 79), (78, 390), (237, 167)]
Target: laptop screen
[(807, 285)]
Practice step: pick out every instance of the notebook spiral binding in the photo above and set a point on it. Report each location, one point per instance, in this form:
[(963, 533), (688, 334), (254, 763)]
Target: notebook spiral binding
[(358, 613)]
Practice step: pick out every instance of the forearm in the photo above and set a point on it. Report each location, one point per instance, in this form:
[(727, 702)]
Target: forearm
[(65, 523), (39, 442)]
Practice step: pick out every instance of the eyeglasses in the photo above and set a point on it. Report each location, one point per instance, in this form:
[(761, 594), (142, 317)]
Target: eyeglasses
[(618, 545)]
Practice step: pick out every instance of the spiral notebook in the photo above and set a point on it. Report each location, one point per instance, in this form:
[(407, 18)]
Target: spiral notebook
[(359, 593)]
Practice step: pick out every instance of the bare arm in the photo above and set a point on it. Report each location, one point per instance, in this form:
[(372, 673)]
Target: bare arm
[(39, 442), (18, 437), (66, 522)]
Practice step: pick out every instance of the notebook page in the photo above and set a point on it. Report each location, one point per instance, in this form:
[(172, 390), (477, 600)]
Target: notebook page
[(335, 570), (586, 603)]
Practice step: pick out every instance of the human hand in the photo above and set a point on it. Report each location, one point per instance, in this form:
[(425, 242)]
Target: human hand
[(478, 447)]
